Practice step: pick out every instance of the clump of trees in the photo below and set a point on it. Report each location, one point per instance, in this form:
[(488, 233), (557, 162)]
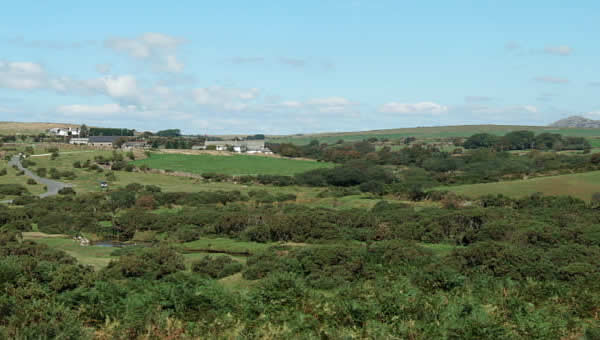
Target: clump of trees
[(94, 131), (525, 140)]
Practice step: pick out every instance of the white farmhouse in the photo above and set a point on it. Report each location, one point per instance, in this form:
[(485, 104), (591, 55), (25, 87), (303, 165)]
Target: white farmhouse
[(64, 131)]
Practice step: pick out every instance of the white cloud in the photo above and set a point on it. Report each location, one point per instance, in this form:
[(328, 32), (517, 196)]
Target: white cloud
[(512, 46), (230, 99), (332, 105), (562, 50), (551, 80), (103, 68), (293, 62), (247, 60), (5, 110), (477, 99), (291, 104), (173, 64), (122, 87), (105, 109), (50, 44), (21, 75), (157, 48), (416, 108), (502, 110)]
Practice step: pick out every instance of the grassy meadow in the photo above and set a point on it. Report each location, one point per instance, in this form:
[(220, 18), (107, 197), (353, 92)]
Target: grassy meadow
[(582, 185), (230, 165)]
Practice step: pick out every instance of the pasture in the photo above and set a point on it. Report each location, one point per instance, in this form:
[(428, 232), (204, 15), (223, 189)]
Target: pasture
[(430, 132), (582, 185), (230, 165)]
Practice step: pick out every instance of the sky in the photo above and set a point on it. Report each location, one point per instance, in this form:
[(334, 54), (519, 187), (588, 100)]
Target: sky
[(283, 67)]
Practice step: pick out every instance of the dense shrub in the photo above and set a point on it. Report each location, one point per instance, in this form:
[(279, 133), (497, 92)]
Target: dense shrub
[(13, 189), (151, 263), (67, 191), (216, 267)]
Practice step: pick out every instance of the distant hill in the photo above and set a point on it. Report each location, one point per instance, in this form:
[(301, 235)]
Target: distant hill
[(576, 122), (11, 128), (429, 133)]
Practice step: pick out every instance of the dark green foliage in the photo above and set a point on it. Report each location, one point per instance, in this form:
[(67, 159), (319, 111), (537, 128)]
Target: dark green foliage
[(214, 177), (169, 133), (56, 174), (12, 189), (110, 132), (41, 172), (26, 163), (481, 140), (66, 191), (216, 267), (150, 263), (501, 269)]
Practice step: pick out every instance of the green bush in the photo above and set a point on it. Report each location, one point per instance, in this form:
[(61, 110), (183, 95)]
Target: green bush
[(66, 191), (216, 267), (13, 189)]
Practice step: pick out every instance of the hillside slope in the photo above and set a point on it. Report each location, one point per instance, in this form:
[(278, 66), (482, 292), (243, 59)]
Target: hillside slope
[(11, 128), (576, 122)]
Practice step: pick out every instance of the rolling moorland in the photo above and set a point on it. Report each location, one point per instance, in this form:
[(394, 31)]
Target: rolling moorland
[(480, 232)]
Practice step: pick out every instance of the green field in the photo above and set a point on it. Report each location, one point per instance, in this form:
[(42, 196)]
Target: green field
[(230, 165), (430, 132), (91, 255), (582, 186)]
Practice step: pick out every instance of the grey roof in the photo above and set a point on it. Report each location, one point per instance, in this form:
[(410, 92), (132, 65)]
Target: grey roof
[(103, 139)]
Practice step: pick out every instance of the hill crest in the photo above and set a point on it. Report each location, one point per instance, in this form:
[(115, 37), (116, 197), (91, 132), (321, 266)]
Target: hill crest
[(576, 122)]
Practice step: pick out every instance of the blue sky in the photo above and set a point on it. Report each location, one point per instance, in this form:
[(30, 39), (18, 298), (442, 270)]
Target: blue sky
[(294, 67)]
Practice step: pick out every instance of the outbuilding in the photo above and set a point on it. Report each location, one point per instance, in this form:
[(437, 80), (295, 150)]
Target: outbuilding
[(103, 141)]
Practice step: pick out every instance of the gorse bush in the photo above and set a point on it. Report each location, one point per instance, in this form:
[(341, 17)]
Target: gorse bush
[(500, 268), (216, 267)]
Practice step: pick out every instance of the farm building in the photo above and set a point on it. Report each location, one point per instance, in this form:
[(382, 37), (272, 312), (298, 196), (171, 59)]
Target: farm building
[(103, 141), (246, 146), (67, 131), (140, 144), (79, 141)]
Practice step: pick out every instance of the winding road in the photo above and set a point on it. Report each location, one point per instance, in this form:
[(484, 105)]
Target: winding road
[(52, 186)]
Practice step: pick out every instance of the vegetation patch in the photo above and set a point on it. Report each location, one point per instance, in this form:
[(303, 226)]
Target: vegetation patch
[(582, 185)]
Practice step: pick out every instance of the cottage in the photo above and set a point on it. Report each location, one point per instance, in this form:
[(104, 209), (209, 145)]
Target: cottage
[(103, 141)]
